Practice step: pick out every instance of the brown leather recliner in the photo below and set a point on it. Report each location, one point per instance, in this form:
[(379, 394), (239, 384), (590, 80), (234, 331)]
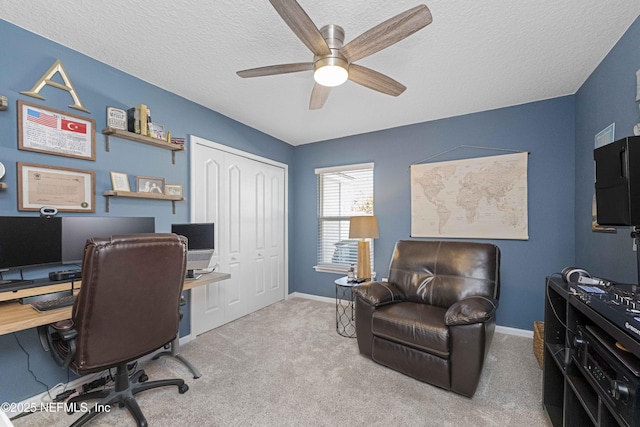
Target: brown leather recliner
[(435, 317), (128, 306)]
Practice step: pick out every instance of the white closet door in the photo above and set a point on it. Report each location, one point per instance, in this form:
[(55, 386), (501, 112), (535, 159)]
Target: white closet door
[(207, 302), (267, 242), (246, 199)]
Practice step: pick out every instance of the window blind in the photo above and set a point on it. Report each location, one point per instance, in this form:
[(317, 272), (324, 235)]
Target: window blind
[(343, 192)]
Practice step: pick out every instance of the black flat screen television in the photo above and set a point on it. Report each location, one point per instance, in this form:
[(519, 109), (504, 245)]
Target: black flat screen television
[(27, 241), (77, 230), (199, 235)]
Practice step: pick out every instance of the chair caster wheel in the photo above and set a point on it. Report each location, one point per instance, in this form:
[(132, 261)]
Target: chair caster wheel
[(183, 388), (143, 378)]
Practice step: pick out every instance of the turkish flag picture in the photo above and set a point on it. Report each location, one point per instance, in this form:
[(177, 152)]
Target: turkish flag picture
[(71, 126)]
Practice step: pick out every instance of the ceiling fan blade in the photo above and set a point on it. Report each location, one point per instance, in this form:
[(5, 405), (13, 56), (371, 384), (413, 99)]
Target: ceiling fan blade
[(276, 69), (387, 33), (375, 80), (303, 27), (318, 96)]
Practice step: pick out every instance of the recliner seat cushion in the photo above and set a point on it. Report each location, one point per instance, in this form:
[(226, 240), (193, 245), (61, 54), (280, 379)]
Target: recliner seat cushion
[(420, 326)]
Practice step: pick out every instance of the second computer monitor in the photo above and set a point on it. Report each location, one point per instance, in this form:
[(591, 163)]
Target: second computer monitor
[(199, 235), (76, 230)]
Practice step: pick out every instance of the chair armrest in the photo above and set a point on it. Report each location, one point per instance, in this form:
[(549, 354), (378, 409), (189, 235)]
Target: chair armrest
[(64, 328), (476, 309), (59, 340), (378, 293)]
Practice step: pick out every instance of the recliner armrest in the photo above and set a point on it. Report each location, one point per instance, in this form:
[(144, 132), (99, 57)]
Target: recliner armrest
[(475, 309), (378, 293)]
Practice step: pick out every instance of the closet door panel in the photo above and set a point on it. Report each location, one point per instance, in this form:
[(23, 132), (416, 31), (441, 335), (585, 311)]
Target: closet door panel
[(235, 224), (207, 308)]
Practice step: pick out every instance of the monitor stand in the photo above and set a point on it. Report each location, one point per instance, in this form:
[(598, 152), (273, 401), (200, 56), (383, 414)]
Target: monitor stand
[(15, 282), (191, 276)]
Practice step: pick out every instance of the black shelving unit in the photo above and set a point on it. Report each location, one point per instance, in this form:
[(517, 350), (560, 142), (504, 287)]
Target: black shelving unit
[(569, 395)]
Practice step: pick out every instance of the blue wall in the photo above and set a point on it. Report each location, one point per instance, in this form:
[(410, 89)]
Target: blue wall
[(556, 132), (25, 58), (546, 129), (608, 96)]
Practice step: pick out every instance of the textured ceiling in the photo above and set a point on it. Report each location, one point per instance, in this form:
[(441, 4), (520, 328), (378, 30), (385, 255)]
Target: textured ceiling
[(475, 56)]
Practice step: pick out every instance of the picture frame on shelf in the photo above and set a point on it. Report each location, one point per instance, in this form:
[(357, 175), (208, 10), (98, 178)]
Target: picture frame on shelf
[(120, 181), (66, 189), (173, 189), (149, 184), (46, 130), (156, 130)]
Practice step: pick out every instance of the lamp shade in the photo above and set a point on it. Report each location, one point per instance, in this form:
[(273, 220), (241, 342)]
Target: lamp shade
[(363, 227)]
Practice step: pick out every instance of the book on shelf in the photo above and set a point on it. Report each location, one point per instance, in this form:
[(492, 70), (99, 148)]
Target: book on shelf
[(133, 119), (138, 118)]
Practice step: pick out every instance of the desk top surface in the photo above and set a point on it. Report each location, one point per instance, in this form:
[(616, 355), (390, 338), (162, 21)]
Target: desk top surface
[(16, 317)]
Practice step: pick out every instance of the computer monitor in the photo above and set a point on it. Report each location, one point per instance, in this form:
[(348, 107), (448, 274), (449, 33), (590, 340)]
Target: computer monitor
[(199, 235), (77, 230), (200, 245), (27, 241)]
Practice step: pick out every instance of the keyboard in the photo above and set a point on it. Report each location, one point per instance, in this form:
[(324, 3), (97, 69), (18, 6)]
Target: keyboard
[(64, 301)]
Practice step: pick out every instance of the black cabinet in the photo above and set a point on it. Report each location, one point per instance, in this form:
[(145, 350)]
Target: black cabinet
[(571, 394)]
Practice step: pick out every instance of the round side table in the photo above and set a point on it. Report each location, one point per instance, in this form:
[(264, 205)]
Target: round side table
[(345, 308)]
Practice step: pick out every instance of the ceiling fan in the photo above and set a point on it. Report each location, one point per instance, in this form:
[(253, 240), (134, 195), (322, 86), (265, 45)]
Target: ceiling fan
[(332, 62)]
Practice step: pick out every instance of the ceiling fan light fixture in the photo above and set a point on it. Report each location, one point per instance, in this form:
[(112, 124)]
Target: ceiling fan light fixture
[(331, 71)]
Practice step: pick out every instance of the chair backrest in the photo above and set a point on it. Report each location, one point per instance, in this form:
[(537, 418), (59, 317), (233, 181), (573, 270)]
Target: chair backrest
[(443, 272), (128, 305)]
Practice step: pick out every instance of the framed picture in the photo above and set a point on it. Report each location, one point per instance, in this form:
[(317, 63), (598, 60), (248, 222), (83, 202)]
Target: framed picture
[(120, 181), (66, 189), (149, 184), (173, 189), (50, 131), (157, 131)]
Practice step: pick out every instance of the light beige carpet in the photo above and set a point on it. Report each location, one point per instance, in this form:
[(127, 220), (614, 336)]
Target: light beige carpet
[(285, 365)]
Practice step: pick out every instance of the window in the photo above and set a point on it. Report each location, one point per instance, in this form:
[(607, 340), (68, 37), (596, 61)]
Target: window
[(343, 192)]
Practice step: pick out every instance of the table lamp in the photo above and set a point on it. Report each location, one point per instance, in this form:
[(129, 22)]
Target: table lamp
[(363, 227)]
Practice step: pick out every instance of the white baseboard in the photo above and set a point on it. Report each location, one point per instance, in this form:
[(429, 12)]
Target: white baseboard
[(35, 401), (43, 398), (514, 331), (313, 297), (502, 329), (187, 338)]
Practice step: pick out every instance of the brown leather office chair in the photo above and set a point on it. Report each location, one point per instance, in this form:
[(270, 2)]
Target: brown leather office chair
[(435, 317), (128, 306)]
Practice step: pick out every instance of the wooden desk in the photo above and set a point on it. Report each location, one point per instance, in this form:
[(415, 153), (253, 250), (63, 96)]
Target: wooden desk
[(17, 317)]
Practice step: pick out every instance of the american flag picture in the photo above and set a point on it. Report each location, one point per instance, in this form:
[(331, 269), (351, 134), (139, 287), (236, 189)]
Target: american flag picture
[(42, 118)]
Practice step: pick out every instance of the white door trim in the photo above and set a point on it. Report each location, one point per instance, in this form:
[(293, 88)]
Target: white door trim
[(193, 139)]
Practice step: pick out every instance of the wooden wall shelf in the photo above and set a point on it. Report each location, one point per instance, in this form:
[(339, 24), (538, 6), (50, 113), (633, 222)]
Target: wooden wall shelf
[(114, 193), (130, 136)]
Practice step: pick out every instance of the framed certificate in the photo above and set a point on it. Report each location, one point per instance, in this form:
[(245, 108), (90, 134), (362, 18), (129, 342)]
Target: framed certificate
[(66, 189), (50, 131)]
